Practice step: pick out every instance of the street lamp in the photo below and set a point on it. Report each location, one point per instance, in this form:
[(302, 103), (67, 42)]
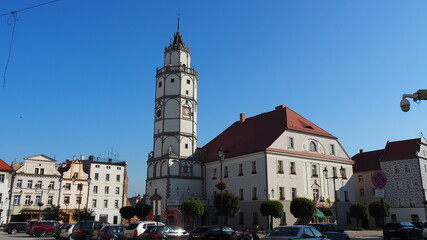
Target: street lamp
[(418, 95), (334, 177), (221, 154), (80, 188), (66, 210)]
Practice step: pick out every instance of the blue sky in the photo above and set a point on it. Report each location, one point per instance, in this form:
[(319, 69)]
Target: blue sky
[(81, 76)]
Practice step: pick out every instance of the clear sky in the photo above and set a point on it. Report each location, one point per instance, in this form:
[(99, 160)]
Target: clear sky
[(81, 75)]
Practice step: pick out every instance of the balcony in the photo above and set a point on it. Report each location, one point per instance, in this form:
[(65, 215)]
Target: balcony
[(172, 69)]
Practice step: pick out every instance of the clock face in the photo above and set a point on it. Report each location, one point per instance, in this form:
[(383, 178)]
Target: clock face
[(159, 113), (186, 111)]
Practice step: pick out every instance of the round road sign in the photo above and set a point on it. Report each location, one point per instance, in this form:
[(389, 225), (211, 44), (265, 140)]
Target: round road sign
[(379, 179)]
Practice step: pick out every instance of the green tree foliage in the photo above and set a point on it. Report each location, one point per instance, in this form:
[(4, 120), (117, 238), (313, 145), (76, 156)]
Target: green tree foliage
[(272, 209), (193, 208), (375, 209), (328, 212), (359, 211), (230, 205), (303, 208), (54, 212), (127, 212), (84, 214), (142, 210)]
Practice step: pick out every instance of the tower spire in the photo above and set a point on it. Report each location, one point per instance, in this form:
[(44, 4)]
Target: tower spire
[(177, 29)]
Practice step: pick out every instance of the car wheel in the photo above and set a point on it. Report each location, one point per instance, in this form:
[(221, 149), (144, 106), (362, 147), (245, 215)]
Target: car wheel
[(43, 233), (14, 231), (112, 238)]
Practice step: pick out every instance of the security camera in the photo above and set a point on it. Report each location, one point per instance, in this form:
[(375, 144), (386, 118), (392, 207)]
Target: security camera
[(405, 105)]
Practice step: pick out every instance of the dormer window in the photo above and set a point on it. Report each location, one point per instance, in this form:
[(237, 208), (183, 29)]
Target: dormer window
[(313, 147)]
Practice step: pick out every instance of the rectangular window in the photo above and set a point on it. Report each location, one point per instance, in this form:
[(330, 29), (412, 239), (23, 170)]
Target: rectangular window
[(292, 168), (94, 203), (393, 218), (294, 193), (107, 190), (105, 203), (415, 218), (1, 178), (36, 171), (75, 175), (334, 172), (362, 192), (95, 189), (68, 186), (214, 173), (255, 218), (396, 169), (66, 200), (37, 200), (240, 169), (17, 200), (51, 184), (41, 171), (39, 184), (290, 142), (1, 198), (253, 166), (19, 183), (254, 193), (314, 170), (188, 81), (282, 193), (80, 186), (408, 185), (117, 178), (160, 84), (411, 202), (360, 178), (407, 168), (116, 204), (172, 80), (241, 193), (78, 200), (225, 172), (186, 146), (346, 196), (28, 200), (107, 177), (30, 184), (117, 190), (49, 200), (332, 149), (279, 166), (337, 194)]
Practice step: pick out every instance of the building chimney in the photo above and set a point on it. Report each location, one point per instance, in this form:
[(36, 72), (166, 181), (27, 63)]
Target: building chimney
[(280, 107), (110, 160), (74, 158), (242, 118), (82, 157), (91, 157), (98, 159), (361, 151)]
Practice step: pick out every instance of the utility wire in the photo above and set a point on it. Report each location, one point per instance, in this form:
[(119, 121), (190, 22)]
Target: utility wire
[(41, 4)]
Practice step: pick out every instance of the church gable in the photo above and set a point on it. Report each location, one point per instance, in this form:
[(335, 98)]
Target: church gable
[(40, 157)]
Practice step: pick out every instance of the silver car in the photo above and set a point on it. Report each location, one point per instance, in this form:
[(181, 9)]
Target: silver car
[(295, 232), (66, 231)]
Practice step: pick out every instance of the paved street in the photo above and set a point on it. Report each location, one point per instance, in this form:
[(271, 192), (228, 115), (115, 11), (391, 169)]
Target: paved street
[(22, 236)]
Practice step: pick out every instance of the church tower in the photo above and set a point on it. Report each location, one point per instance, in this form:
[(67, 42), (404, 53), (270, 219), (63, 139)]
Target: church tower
[(173, 172)]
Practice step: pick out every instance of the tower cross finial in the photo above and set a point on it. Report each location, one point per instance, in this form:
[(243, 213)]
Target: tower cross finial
[(177, 29)]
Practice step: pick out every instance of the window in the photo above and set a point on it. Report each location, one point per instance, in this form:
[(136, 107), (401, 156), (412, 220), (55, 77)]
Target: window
[(117, 190), (172, 80), (39, 184), (346, 196), (95, 189), (108, 167), (315, 195), (401, 202), (80, 186), (241, 218), (188, 81), (253, 167), (186, 92), (96, 176), (408, 185), (279, 166), (67, 200), (214, 173), (19, 183), (337, 194), (107, 190), (344, 174), (117, 178), (240, 169), (334, 172), (362, 192), (37, 199), (160, 84), (241, 193), (94, 203), (313, 147), (254, 193), (97, 166), (75, 175), (411, 202), (51, 185), (255, 218), (292, 168), (30, 184), (314, 170), (225, 172), (41, 171), (28, 200), (332, 149), (1, 197), (78, 200), (348, 217), (294, 193), (116, 204), (360, 178), (415, 218), (396, 169), (119, 168), (407, 168), (67, 186), (107, 177), (49, 200), (290, 142), (105, 203), (399, 185), (1, 178), (36, 171), (186, 146), (282, 193), (393, 217), (17, 200)]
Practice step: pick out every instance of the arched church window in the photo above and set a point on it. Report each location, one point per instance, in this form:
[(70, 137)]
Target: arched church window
[(313, 147)]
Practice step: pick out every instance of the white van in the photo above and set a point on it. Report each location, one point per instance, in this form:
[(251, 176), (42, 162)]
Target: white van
[(135, 229)]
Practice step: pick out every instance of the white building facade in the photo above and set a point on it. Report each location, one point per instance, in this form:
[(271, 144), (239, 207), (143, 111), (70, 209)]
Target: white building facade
[(5, 183)]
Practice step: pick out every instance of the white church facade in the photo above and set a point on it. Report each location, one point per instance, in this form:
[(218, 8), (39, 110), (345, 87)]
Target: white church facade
[(275, 155)]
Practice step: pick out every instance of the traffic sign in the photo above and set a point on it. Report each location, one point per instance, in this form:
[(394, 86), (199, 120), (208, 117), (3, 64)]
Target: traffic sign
[(379, 179), (379, 193)]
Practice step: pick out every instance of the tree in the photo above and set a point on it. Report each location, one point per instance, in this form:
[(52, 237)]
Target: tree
[(327, 211), (54, 212), (230, 205), (358, 211), (142, 210), (303, 208), (375, 209), (193, 208), (127, 212), (272, 209), (85, 214)]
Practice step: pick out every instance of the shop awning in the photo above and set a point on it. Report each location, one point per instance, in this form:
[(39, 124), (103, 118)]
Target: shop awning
[(319, 214)]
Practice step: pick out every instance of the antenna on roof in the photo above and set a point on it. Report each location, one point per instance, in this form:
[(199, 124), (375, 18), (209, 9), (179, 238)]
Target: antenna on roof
[(422, 134)]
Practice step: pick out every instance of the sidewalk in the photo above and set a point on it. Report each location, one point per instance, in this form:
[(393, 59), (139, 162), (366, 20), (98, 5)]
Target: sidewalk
[(364, 233)]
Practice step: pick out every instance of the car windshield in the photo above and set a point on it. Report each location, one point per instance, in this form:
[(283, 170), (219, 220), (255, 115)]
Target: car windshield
[(200, 230), (284, 231), (132, 226), (392, 225)]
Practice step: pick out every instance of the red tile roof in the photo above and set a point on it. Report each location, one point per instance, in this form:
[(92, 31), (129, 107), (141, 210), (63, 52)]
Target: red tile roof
[(4, 166), (367, 161), (258, 133), (401, 150)]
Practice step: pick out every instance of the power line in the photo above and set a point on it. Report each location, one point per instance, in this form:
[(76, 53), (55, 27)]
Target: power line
[(20, 10)]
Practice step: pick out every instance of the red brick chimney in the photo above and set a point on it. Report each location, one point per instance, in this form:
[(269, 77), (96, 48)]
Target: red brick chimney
[(242, 118)]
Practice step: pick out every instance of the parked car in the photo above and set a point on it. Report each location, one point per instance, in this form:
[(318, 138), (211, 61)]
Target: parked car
[(111, 232), (423, 228), (15, 227), (96, 231), (402, 230), (295, 232), (58, 230), (66, 231), (167, 232), (43, 228), (84, 229), (331, 230), (136, 229), (213, 232), (30, 227)]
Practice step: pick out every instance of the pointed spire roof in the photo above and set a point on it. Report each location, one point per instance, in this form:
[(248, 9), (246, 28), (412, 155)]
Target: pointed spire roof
[(178, 41), (258, 133)]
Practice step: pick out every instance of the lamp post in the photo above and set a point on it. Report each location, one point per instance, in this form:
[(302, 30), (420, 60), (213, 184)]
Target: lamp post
[(40, 204), (79, 187), (221, 155), (334, 177), (66, 210)]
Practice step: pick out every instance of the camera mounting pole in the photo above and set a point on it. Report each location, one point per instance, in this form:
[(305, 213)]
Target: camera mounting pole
[(417, 96)]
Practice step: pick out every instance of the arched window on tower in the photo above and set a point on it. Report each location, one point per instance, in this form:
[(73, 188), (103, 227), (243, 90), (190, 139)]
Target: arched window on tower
[(313, 146), (186, 169)]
